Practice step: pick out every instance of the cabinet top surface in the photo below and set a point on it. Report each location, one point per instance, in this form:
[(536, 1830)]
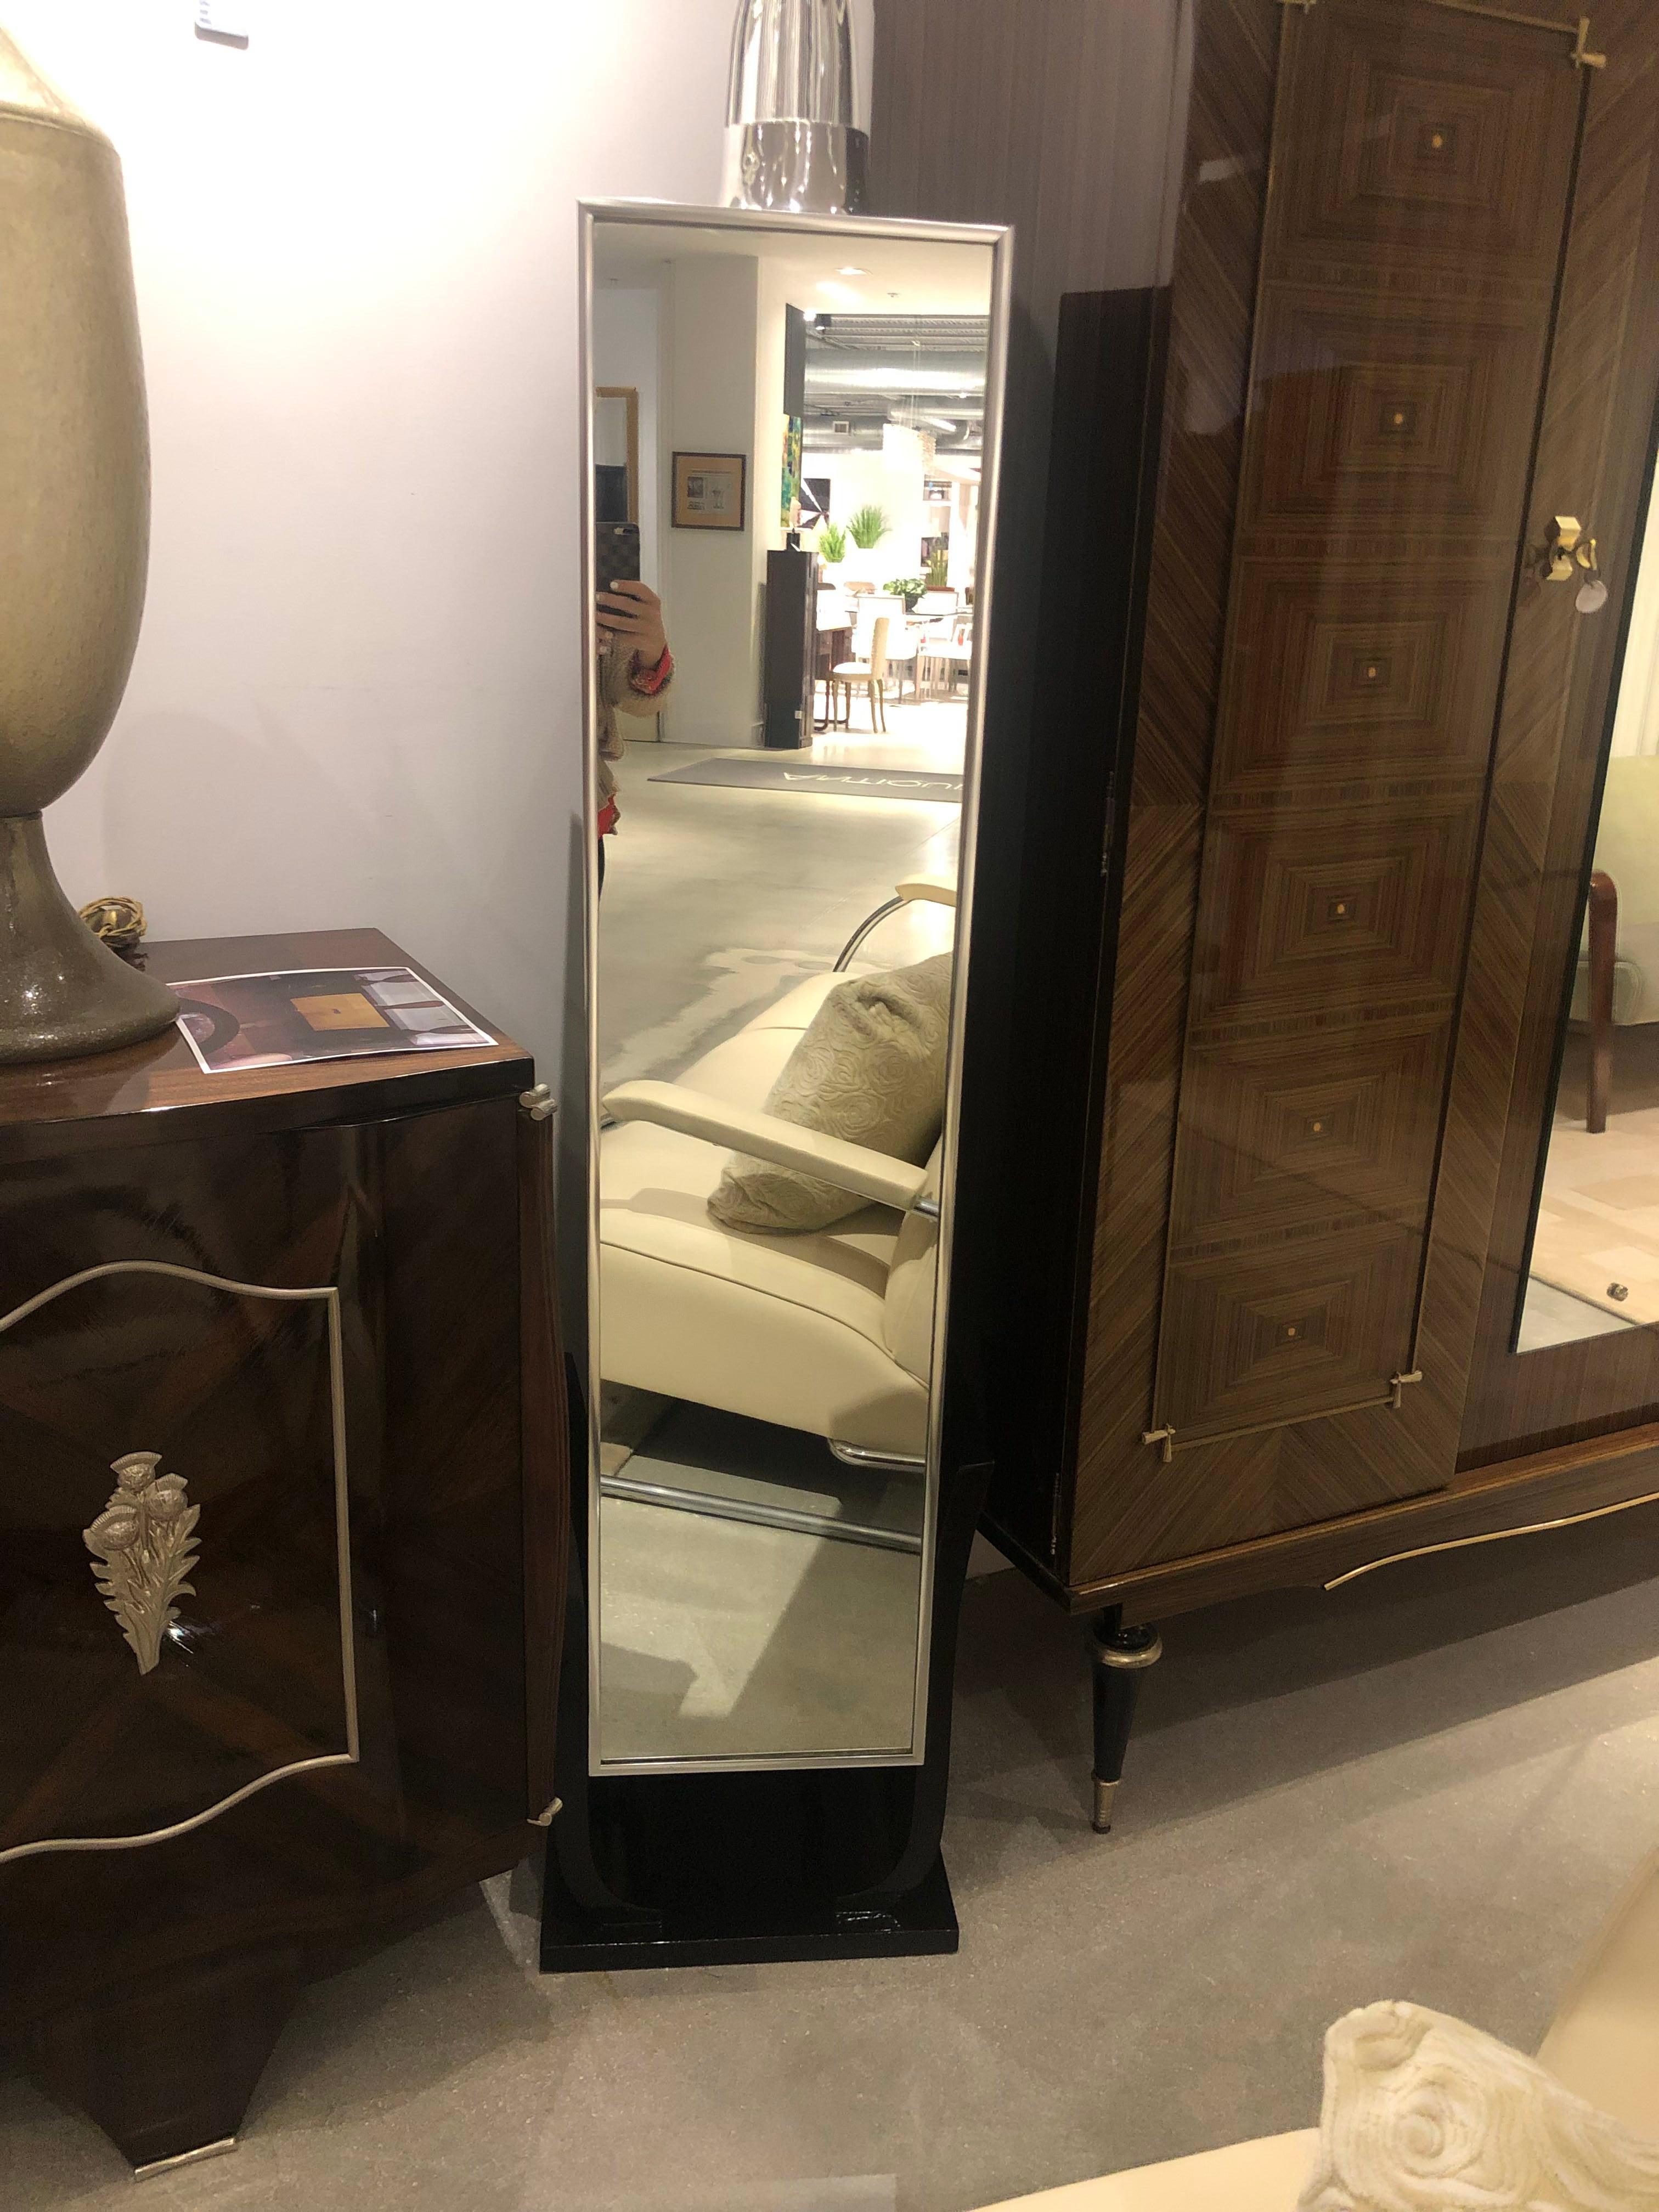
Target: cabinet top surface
[(161, 1075)]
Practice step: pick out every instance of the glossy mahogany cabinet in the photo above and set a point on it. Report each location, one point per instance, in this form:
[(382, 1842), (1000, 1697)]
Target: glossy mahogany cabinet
[(281, 1516), (1337, 330)]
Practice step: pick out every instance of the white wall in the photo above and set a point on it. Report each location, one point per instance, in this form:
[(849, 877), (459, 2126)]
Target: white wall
[(709, 601), (888, 476), (356, 695)]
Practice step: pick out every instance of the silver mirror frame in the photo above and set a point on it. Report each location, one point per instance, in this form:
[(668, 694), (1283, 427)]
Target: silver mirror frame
[(591, 214)]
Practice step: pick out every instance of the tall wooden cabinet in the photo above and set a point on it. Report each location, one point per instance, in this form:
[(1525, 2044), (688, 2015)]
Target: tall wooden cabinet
[(1337, 320)]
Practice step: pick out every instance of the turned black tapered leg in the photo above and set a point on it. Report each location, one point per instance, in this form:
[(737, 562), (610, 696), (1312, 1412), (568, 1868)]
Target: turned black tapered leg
[(1119, 1657)]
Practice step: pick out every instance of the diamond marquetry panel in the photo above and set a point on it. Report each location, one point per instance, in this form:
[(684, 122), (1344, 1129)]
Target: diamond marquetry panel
[(1249, 1338), (1357, 668), (1427, 420), (1346, 1125), (1406, 130), (1347, 908)]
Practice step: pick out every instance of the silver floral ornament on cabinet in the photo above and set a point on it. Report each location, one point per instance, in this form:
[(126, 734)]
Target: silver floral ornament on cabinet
[(142, 1550)]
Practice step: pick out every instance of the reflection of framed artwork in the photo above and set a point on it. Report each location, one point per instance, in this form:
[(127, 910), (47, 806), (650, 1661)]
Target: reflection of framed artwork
[(789, 512), (710, 490)]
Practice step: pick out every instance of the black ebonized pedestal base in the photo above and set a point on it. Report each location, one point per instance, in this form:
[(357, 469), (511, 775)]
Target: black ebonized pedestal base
[(575, 1940)]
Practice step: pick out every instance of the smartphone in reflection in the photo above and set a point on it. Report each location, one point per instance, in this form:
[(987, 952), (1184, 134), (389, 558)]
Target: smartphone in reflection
[(616, 554)]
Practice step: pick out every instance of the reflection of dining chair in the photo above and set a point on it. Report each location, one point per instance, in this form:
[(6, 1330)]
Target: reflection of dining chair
[(1618, 982), (869, 676), (830, 1330), (947, 649), (904, 644)]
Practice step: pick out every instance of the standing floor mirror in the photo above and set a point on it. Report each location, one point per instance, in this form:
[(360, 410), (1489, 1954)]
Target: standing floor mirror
[(787, 660)]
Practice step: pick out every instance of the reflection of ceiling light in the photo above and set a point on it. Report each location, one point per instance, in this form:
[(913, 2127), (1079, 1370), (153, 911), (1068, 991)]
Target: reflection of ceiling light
[(939, 422), (855, 272)]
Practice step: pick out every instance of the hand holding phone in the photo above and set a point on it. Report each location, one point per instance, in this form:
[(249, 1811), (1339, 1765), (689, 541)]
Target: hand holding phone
[(630, 618)]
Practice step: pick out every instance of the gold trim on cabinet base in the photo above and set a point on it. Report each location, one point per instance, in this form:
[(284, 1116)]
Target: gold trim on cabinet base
[(1494, 1537)]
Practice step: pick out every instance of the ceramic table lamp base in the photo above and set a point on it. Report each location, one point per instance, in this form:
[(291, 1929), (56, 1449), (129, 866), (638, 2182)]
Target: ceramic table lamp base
[(62, 990), (73, 548)]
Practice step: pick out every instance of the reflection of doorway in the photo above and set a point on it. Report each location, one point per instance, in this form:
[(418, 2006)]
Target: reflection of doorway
[(616, 453)]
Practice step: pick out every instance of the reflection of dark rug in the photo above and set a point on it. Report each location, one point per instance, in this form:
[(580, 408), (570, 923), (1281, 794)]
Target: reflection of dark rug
[(818, 780)]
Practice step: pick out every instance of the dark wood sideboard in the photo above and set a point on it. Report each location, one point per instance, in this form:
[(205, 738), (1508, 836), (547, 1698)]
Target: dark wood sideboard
[(321, 1298)]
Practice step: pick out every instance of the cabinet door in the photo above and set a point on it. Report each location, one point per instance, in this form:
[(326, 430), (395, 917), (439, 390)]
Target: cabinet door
[(270, 1442), (1279, 1247)]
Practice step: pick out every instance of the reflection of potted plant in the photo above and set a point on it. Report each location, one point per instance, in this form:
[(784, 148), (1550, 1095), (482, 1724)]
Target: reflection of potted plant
[(832, 545), (908, 588), (866, 529)]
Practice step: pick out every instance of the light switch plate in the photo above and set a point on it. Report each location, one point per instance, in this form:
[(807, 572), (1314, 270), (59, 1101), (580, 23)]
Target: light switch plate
[(225, 21)]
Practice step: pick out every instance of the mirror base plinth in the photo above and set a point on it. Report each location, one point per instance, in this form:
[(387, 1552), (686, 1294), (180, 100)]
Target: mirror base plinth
[(63, 993), (733, 1931)]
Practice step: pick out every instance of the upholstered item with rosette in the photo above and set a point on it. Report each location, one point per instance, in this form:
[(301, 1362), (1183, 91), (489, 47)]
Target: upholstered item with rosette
[(1424, 2113)]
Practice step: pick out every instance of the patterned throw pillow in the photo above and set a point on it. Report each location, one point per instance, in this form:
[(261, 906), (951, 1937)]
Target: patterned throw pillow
[(869, 1068), (1425, 2114)]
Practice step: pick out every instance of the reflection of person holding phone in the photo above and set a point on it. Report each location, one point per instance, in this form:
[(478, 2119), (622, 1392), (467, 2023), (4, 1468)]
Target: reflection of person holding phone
[(635, 670)]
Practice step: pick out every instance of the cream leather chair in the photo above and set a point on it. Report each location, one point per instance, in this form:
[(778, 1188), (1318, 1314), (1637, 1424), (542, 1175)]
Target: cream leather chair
[(1603, 2043), (830, 1332)]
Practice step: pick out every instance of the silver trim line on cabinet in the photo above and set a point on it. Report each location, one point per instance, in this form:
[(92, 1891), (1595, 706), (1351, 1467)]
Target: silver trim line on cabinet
[(330, 1297), (999, 240)]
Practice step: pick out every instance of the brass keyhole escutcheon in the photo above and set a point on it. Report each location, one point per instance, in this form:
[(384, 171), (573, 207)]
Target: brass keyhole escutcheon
[(1570, 552)]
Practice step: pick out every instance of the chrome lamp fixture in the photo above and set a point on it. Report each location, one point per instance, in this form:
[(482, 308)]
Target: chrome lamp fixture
[(74, 550), (794, 139)]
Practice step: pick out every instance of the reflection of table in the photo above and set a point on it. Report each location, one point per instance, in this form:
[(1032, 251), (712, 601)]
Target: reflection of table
[(834, 646)]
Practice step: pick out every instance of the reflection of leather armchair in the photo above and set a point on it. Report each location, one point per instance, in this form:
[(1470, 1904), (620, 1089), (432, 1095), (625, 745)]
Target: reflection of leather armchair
[(829, 1331), (1617, 984), (1603, 2044)]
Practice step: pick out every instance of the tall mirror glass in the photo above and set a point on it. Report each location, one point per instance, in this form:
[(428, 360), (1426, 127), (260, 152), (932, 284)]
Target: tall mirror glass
[(788, 620), (1594, 1267)]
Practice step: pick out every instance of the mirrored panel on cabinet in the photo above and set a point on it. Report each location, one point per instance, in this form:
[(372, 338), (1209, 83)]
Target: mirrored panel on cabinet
[(789, 612), (1593, 1265)]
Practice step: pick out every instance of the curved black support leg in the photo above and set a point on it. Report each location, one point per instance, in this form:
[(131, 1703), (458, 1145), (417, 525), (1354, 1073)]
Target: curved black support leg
[(1119, 1658)]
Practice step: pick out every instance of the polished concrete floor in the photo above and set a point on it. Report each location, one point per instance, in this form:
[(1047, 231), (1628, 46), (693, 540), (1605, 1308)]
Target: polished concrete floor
[(717, 900), (722, 1637), (1430, 1784)]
